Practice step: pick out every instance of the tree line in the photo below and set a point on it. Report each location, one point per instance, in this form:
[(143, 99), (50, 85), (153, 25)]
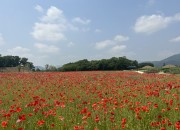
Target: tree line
[(114, 63), (14, 61)]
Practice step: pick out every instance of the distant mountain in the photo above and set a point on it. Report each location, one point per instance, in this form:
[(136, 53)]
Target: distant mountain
[(174, 60), (43, 68), (39, 67), (58, 66)]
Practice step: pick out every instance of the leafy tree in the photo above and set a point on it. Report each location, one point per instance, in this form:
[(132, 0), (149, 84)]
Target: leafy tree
[(15, 61), (114, 63), (1, 62), (140, 65), (23, 61), (47, 67), (52, 68), (30, 66), (38, 70), (135, 63)]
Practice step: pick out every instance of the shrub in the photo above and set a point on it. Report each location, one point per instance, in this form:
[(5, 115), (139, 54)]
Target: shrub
[(153, 70), (175, 70)]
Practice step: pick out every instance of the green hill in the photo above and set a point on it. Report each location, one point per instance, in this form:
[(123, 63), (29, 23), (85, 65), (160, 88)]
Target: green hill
[(174, 60)]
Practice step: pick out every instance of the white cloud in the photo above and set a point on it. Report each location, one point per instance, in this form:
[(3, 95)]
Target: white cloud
[(18, 50), (177, 17), (151, 2), (53, 25), (85, 29), (54, 15), (153, 23), (81, 21), (176, 39), (39, 8), (98, 31), (104, 44), (1, 40), (72, 27), (117, 48), (120, 38), (114, 42), (150, 24), (70, 44), (48, 32), (46, 48)]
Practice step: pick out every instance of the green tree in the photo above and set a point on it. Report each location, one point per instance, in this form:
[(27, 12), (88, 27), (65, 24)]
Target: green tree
[(52, 68), (23, 61), (29, 65), (114, 63), (38, 70), (47, 67), (1, 62), (16, 61), (140, 65)]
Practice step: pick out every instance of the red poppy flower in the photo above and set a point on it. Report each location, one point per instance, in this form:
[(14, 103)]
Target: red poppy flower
[(163, 128), (155, 105), (97, 119), (4, 124), (40, 122), (18, 109)]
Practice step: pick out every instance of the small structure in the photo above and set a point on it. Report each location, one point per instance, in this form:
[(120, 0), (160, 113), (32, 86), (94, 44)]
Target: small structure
[(147, 67), (131, 67), (168, 66)]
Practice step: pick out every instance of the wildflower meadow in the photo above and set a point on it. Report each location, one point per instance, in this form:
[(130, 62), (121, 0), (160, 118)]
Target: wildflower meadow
[(95, 100)]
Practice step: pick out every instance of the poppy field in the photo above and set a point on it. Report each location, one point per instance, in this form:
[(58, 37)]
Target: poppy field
[(95, 100)]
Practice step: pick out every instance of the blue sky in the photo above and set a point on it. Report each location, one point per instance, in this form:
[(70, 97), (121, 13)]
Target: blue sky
[(56, 32)]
